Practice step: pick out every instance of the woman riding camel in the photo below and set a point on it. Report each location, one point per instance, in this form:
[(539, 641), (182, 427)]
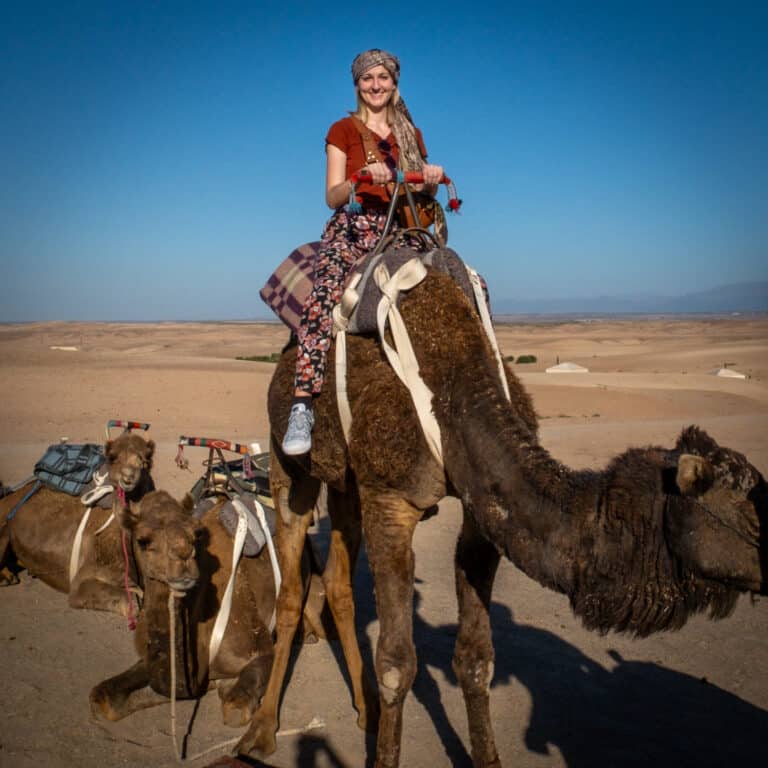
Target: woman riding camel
[(349, 235)]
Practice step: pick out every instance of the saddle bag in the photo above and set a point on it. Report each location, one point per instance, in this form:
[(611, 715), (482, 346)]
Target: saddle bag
[(69, 468)]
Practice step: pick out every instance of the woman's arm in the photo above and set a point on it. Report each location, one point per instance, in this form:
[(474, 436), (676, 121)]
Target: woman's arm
[(337, 185)]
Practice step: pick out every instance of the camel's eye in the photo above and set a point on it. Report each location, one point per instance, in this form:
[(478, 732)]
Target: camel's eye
[(144, 542)]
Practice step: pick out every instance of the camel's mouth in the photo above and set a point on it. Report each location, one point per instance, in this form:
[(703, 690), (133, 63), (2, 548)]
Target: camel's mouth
[(128, 486), (183, 584)]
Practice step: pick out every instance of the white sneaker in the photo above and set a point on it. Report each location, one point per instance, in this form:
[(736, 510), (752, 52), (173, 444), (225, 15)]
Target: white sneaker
[(298, 436)]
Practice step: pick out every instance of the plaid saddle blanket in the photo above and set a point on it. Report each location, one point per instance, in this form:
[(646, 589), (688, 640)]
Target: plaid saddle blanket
[(290, 284)]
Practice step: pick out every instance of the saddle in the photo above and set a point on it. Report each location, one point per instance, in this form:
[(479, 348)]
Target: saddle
[(255, 539), (243, 488), (69, 468)]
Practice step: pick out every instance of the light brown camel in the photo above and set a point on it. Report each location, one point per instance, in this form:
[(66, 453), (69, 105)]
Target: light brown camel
[(173, 550), (40, 535), (657, 536)]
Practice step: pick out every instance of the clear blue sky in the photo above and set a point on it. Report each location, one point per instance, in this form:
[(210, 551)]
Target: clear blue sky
[(157, 160)]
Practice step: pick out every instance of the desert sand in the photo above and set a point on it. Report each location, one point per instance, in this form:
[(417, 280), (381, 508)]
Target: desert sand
[(561, 696)]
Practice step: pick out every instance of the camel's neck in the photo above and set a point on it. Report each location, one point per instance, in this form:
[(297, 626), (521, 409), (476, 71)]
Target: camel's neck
[(160, 635), (522, 499), (143, 487)]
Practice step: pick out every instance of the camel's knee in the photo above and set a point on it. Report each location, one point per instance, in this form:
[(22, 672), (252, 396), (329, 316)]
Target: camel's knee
[(395, 673), (474, 675), (289, 607), (340, 596)]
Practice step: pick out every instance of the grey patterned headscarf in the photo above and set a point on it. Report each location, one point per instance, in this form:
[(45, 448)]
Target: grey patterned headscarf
[(405, 133)]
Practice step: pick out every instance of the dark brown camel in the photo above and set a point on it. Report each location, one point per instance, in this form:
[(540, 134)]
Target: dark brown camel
[(175, 551), (40, 535), (657, 536)]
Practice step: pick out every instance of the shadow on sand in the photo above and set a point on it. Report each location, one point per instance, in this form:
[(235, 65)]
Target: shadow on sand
[(636, 714)]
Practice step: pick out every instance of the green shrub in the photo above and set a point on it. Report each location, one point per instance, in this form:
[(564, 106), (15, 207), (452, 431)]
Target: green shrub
[(526, 359), (509, 359), (271, 358)]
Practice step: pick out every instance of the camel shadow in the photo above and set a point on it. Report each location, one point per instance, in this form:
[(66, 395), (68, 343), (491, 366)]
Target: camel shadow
[(636, 714)]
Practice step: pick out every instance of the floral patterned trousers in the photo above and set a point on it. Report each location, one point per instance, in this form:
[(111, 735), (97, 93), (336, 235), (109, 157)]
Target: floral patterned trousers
[(347, 238)]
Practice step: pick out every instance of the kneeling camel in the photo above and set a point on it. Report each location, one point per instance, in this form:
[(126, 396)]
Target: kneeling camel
[(184, 565), (40, 535)]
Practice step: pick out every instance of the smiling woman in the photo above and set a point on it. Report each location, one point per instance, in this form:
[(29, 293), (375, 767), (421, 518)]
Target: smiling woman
[(378, 138)]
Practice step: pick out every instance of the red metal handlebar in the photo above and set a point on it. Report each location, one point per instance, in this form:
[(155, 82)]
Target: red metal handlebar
[(208, 442), (409, 177)]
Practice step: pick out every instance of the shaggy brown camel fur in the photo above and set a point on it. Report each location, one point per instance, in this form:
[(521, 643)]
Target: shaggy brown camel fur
[(175, 551), (40, 535), (657, 536)]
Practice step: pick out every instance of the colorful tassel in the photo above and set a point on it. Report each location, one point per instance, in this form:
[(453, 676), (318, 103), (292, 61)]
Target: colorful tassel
[(453, 201)]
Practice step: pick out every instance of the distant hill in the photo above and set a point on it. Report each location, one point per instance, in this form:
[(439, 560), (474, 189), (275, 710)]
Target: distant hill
[(737, 297)]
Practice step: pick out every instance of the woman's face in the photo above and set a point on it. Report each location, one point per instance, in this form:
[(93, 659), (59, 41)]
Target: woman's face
[(376, 87)]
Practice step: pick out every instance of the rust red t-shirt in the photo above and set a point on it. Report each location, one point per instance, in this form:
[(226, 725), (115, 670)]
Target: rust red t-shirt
[(344, 135)]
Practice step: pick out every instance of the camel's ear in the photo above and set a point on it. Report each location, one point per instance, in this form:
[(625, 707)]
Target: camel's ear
[(108, 450), (694, 474), (188, 503), (149, 453)]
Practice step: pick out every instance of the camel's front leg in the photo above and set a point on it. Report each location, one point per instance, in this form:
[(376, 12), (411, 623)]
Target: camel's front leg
[(294, 499), (240, 700), (124, 694), (476, 562), (388, 523), (344, 511)]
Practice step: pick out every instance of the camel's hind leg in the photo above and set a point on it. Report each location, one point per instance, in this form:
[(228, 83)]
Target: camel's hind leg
[(344, 511), (294, 498), (476, 562), (98, 591), (388, 523)]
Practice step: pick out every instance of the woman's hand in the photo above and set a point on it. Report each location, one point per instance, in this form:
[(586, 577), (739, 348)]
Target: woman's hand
[(433, 174), (380, 172)]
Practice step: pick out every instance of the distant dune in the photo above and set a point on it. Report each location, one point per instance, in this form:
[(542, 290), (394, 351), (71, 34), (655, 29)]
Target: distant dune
[(736, 297)]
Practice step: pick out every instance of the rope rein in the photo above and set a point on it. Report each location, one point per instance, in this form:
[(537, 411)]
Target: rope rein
[(126, 575)]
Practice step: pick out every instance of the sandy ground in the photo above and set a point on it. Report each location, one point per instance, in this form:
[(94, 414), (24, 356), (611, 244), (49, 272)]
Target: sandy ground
[(561, 696)]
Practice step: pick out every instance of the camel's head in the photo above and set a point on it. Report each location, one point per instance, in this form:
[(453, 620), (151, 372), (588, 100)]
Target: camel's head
[(719, 526), (130, 459), (166, 539)]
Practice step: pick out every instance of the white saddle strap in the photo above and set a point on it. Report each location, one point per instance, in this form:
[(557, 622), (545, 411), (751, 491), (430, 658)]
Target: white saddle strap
[(74, 557), (341, 314), (104, 526), (401, 357), (262, 518), (485, 317), (222, 619), (101, 489)]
